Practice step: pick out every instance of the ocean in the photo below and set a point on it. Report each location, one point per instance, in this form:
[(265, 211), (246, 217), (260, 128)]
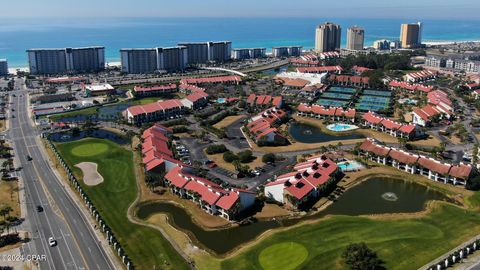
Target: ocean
[(17, 35)]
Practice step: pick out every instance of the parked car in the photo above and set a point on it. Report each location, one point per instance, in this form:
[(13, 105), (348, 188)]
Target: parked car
[(39, 208), (52, 242)]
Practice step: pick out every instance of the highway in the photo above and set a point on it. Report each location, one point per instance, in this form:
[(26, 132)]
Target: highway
[(78, 247)]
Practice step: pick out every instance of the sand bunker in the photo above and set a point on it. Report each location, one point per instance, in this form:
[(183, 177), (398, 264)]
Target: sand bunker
[(91, 177)]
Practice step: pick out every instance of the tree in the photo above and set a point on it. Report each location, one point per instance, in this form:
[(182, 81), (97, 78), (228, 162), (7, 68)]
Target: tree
[(473, 183), (245, 156), (229, 156), (269, 158), (359, 257)]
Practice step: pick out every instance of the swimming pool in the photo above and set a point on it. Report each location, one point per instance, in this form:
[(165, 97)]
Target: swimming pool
[(221, 100), (338, 127), (350, 165)]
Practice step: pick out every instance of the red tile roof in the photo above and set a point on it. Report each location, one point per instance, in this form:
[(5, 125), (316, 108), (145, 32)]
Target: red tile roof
[(403, 157), (307, 176), (369, 145), (434, 165), (319, 69), (462, 171), (277, 101), (372, 118), (168, 87), (196, 96), (228, 200)]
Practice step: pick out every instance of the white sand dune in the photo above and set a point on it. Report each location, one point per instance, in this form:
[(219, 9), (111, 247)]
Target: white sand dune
[(91, 177)]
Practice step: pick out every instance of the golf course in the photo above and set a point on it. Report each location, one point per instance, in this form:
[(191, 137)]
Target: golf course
[(145, 246), (401, 241)]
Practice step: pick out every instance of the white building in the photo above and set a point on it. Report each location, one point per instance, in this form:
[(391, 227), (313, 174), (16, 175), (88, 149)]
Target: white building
[(313, 78)]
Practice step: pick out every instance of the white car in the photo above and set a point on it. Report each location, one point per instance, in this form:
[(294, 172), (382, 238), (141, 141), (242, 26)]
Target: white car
[(52, 242)]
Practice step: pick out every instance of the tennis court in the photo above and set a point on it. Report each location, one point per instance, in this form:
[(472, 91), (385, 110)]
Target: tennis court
[(336, 95), (377, 93), (332, 103)]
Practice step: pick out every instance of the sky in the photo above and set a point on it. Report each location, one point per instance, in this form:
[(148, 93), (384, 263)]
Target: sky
[(404, 9)]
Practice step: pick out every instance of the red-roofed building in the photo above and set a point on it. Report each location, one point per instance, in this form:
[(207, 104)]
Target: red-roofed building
[(61, 80), (300, 188), (472, 86), (331, 113), (262, 126), (154, 111), (210, 197), (349, 80), (426, 116), (322, 69), (441, 100), (417, 164), (393, 128), (277, 102), (157, 90), (398, 85), (189, 88), (420, 76), (195, 100), (157, 156), (359, 70), (264, 101)]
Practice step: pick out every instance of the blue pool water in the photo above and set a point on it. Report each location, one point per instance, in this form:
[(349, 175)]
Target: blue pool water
[(221, 100), (337, 127), (350, 165)]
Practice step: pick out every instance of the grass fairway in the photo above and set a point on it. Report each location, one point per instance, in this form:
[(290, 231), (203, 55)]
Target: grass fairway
[(286, 255), (145, 246), (89, 150), (402, 243)]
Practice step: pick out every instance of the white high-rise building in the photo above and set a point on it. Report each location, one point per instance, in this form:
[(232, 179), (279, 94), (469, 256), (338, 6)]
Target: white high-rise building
[(327, 37), (355, 38)]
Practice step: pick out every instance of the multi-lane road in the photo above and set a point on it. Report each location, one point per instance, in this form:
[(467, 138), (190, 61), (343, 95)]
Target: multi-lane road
[(78, 246)]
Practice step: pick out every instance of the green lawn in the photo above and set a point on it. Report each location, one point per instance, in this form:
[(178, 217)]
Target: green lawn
[(146, 100), (402, 244), (145, 246)]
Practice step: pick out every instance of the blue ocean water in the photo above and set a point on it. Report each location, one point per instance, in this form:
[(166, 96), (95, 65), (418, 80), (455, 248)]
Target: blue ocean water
[(17, 35)]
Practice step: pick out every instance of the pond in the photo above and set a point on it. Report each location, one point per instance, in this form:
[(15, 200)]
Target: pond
[(95, 133), (274, 71), (103, 113), (306, 133), (365, 198)]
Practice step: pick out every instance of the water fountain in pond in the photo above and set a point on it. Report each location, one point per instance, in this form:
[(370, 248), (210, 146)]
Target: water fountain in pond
[(390, 196), (307, 132)]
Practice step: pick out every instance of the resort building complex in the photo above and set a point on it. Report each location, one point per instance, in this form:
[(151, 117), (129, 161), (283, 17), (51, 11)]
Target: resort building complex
[(327, 37), (309, 180), (417, 164), (355, 38), (66, 60), (411, 35)]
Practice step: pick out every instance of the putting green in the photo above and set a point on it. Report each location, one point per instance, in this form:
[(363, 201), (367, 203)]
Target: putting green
[(284, 256), (89, 149)]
